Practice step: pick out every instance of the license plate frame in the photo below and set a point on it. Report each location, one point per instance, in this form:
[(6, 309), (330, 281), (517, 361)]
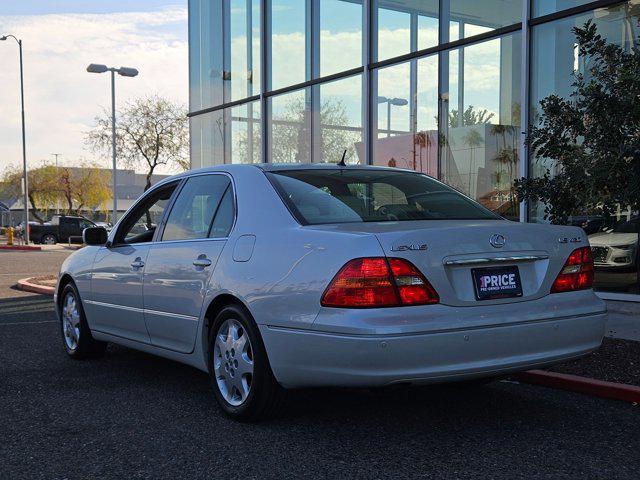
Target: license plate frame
[(493, 283)]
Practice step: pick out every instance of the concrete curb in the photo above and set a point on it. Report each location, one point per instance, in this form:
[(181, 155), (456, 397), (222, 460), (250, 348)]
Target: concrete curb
[(27, 286), (20, 247), (588, 386)]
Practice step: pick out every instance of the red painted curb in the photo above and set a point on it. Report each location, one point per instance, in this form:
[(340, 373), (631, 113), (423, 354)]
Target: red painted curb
[(27, 286), (574, 383), (19, 247)]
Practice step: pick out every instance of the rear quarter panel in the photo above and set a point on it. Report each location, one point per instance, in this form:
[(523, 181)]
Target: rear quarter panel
[(291, 265)]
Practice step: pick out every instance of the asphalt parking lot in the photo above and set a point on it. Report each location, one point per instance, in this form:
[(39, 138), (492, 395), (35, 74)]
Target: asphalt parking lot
[(15, 265), (132, 415)]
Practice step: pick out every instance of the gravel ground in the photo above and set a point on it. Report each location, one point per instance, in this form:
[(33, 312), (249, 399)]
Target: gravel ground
[(616, 361), (132, 415)]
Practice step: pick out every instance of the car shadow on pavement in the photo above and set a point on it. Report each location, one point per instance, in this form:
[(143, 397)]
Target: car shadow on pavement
[(455, 405)]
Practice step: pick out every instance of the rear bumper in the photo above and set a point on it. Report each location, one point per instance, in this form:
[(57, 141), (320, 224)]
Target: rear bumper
[(304, 358)]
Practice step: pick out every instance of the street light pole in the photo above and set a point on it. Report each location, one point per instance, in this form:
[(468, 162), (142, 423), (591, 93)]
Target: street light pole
[(125, 72), (400, 102), (24, 146)]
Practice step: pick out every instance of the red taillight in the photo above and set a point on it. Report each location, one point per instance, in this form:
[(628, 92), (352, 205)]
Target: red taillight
[(577, 273), (378, 282)]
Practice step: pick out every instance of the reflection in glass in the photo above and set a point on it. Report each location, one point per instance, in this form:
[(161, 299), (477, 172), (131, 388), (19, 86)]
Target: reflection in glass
[(340, 121), (290, 127), (545, 7), (244, 48), (288, 57), (554, 61), (482, 111), (552, 73), (340, 36), (474, 18), (246, 144), (205, 54), (407, 109), (406, 26), (207, 133)]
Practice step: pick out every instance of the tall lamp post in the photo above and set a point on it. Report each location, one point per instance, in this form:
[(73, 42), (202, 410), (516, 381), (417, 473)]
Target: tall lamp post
[(125, 72), (399, 102), (24, 147)]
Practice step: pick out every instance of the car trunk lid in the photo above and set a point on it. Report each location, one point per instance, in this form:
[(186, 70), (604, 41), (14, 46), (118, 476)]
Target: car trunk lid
[(449, 252)]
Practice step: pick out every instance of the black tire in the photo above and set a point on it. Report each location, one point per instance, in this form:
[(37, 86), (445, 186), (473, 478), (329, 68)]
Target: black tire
[(49, 236), (85, 346), (266, 397)]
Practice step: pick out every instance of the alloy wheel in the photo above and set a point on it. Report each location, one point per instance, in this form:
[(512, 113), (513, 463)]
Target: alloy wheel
[(233, 362), (70, 321)]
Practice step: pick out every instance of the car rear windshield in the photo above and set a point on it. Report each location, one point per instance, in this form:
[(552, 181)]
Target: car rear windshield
[(367, 195)]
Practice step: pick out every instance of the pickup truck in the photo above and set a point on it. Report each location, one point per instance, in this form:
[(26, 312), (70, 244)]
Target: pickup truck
[(59, 229)]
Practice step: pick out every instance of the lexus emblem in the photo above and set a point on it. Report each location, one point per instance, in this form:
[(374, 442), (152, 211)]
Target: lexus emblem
[(497, 240)]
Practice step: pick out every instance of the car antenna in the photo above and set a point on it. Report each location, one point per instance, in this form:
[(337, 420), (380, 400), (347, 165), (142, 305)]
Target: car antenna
[(341, 163)]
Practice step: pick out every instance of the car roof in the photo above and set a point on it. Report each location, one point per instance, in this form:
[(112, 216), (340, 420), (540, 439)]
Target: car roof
[(273, 167)]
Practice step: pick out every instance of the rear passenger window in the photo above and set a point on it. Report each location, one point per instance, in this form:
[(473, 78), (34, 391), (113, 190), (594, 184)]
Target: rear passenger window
[(224, 218), (195, 207)]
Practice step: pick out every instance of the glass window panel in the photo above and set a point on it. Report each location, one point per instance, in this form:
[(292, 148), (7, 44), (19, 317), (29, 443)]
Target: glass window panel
[(193, 210), (477, 17), (482, 108), (545, 7), (288, 40), (427, 31), (406, 26), (207, 133), (554, 61), (393, 100), (244, 48), (407, 109), (225, 216), (245, 143), (340, 36), (340, 121), (290, 127), (139, 225), (205, 54)]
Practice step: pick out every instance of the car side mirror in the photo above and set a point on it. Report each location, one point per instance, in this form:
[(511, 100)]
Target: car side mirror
[(94, 236)]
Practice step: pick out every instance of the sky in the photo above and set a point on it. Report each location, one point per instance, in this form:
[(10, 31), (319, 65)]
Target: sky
[(60, 38)]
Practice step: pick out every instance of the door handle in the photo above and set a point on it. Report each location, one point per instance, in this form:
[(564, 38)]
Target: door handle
[(202, 261), (137, 263)]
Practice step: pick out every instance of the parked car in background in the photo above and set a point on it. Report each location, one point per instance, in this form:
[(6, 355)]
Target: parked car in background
[(59, 229), (616, 255), (272, 277)]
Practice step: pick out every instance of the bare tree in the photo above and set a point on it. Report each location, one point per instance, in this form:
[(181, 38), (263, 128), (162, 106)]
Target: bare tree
[(150, 132)]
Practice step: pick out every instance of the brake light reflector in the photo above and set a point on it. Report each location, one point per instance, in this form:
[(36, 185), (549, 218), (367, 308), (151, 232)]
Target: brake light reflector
[(577, 273), (378, 282)]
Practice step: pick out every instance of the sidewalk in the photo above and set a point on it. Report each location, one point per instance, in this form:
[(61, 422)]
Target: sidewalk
[(624, 320)]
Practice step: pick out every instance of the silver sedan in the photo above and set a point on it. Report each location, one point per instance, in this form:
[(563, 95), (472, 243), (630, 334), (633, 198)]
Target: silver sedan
[(275, 277)]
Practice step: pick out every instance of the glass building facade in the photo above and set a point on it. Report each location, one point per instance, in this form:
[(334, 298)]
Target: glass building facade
[(445, 87)]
